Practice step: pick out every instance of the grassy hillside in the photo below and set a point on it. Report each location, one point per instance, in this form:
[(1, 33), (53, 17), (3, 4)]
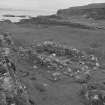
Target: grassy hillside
[(95, 11), (61, 92)]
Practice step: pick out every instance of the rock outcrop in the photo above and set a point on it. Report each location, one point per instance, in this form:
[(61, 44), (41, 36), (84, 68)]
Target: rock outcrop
[(95, 11)]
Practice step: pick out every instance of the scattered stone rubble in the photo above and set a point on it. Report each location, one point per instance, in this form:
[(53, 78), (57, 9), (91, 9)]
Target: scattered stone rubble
[(93, 94), (60, 61)]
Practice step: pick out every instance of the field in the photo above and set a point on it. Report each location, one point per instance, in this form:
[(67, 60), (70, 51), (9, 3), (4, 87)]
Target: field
[(41, 90)]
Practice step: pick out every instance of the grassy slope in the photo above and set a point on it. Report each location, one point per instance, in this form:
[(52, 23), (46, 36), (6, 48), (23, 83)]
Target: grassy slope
[(72, 36), (63, 92)]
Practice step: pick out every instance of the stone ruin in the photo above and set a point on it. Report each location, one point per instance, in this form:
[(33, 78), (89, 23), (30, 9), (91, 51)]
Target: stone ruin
[(92, 94), (61, 61), (56, 60)]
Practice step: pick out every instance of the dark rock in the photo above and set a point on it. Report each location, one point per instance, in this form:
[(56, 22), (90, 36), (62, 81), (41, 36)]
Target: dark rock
[(40, 87), (6, 21), (95, 11), (93, 94), (32, 102), (33, 78), (9, 15)]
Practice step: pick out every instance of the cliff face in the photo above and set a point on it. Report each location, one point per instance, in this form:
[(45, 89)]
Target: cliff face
[(95, 11)]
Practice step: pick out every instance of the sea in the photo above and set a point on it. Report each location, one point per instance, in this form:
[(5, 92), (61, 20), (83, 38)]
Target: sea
[(7, 14)]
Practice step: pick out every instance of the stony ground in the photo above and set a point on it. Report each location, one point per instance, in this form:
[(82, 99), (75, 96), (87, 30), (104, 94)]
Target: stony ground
[(42, 90)]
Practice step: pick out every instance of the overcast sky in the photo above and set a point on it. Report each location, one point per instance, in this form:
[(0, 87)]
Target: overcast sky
[(44, 4)]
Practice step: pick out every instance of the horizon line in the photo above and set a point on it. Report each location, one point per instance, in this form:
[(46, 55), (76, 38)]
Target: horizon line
[(20, 9)]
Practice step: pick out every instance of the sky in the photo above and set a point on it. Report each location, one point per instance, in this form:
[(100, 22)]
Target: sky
[(49, 5)]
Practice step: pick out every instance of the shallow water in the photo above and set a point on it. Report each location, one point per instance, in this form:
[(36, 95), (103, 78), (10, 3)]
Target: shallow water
[(27, 13)]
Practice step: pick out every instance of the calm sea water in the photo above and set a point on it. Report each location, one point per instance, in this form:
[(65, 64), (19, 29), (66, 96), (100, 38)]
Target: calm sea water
[(27, 13)]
